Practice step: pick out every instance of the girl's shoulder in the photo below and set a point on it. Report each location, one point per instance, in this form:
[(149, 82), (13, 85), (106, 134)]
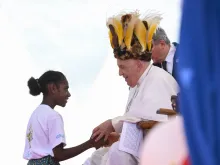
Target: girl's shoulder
[(46, 112)]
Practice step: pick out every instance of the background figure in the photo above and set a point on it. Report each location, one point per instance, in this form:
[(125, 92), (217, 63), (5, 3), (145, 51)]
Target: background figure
[(164, 52), (199, 72)]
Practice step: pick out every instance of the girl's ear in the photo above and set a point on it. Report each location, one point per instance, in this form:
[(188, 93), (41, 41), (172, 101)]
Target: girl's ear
[(52, 88)]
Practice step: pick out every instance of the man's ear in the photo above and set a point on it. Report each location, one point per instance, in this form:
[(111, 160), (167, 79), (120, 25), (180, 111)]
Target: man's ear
[(139, 64), (52, 88)]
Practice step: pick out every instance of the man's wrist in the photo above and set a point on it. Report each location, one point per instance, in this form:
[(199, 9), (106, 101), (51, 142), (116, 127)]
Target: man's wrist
[(111, 124)]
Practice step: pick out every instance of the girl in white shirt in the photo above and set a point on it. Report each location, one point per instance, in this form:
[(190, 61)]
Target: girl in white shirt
[(45, 137)]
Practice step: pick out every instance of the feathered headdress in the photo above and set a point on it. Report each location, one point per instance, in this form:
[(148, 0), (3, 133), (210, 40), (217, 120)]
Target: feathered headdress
[(131, 37)]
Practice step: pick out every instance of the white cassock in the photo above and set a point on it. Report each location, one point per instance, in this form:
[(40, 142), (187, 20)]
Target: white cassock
[(153, 91), (165, 144)]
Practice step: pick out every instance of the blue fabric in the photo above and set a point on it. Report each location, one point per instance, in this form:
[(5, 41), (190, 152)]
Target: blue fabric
[(199, 74), (175, 61)]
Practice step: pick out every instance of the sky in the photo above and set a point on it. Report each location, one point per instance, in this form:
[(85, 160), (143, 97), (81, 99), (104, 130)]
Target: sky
[(70, 36)]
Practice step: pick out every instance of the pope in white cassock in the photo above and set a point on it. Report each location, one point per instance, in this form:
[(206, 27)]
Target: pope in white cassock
[(151, 87)]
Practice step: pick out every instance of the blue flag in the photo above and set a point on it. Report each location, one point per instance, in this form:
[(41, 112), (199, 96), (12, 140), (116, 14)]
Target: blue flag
[(199, 75)]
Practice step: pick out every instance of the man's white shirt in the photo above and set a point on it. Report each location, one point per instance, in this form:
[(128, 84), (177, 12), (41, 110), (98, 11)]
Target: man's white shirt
[(169, 58)]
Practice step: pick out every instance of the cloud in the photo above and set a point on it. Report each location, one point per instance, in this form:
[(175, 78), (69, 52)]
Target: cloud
[(16, 105), (64, 33)]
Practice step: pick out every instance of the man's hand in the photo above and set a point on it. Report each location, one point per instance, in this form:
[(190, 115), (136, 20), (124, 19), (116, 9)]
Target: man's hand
[(113, 137), (103, 130)]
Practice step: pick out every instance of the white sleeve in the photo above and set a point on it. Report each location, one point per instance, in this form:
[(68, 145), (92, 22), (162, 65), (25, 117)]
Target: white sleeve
[(158, 96), (56, 131), (155, 95), (117, 123)]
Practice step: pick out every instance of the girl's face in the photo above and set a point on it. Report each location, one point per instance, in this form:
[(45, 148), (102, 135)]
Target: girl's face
[(62, 93)]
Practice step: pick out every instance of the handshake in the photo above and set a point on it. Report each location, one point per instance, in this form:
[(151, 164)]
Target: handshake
[(113, 137), (98, 144), (104, 135)]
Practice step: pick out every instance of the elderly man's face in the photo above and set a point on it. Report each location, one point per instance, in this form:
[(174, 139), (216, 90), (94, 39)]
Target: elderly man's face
[(130, 70), (158, 51)]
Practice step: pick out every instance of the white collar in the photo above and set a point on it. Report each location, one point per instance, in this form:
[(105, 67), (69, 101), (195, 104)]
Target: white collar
[(171, 53), (144, 74)]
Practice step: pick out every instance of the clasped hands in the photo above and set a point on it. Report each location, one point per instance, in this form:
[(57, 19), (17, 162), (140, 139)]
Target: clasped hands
[(104, 135)]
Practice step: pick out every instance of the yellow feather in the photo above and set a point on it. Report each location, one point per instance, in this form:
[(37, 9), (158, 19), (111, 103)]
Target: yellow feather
[(129, 32), (141, 33), (151, 31), (110, 37), (153, 19), (118, 28)]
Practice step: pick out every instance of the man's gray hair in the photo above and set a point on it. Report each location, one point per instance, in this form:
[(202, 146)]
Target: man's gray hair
[(161, 35)]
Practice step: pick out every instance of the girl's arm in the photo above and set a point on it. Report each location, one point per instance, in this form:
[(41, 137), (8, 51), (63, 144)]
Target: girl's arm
[(61, 154)]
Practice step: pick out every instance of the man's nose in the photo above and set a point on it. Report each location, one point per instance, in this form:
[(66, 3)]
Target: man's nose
[(120, 73)]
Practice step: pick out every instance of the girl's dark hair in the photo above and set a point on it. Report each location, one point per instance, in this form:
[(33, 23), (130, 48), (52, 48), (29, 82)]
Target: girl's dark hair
[(36, 86)]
